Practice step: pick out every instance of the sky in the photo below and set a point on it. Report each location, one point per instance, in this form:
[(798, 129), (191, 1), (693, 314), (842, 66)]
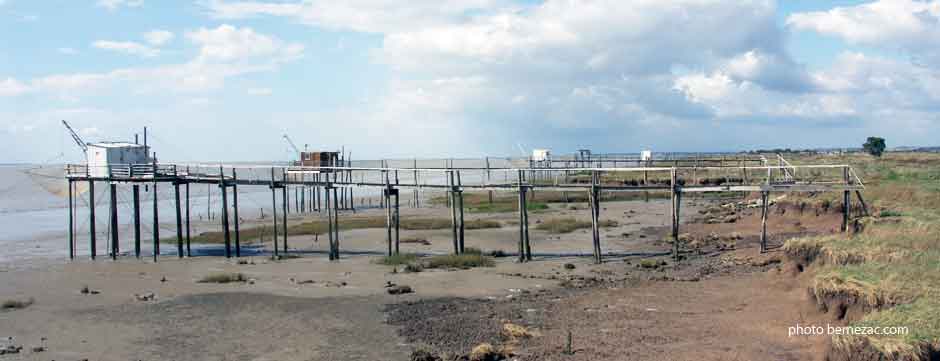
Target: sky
[(224, 80)]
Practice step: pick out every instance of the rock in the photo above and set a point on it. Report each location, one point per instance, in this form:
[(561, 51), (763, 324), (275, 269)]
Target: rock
[(424, 355), (149, 296), (38, 349), (569, 266), (399, 290), (11, 349), (730, 219), (484, 352)]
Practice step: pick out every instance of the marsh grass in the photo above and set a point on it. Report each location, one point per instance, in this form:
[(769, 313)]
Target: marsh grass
[(321, 227), (568, 225), (223, 278), (893, 265)]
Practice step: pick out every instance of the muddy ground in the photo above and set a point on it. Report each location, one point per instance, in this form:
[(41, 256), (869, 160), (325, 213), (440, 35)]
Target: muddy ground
[(723, 300)]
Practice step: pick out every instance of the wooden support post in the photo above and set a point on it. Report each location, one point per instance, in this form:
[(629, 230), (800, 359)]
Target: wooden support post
[(335, 225), (764, 200), (525, 228), (329, 220), (846, 201), (238, 244), (71, 222), (179, 220), (93, 247), (460, 225), (673, 185), (284, 204), (453, 212), (225, 229), (521, 191), (861, 201), (115, 245), (386, 197), (136, 199), (156, 221), (189, 250), (274, 210), (595, 221), (417, 203), (397, 221), (489, 193)]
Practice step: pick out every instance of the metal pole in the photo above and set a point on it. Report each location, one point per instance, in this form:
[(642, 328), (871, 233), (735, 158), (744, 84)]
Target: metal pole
[(71, 223), (274, 210)]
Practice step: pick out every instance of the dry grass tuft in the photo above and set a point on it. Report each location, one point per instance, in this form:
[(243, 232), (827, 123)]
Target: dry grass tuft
[(223, 278)]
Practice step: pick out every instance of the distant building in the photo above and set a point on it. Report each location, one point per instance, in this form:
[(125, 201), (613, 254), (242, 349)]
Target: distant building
[(541, 155), (104, 156), (319, 159), (646, 155)]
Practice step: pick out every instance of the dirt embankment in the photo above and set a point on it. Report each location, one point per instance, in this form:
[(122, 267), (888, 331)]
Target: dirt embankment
[(724, 300)]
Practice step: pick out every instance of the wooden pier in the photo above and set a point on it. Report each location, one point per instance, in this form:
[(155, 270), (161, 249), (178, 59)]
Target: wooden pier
[(329, 189)]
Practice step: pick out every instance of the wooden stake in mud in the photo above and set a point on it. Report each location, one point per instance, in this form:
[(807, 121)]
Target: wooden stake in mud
[(284, 204), (238, 244), (595, 217), (674, 184), (764, 200), (92, 246), (453, 212), (335, 225), (386, 196), (225, 229), (274, 210), (156, 219), (525, 228), (329, 219), (459, 201), (846, 201), (189, 250), (136, 199), (521, 218), (71, 223), (179, 220), (114, 222), (397, 221)]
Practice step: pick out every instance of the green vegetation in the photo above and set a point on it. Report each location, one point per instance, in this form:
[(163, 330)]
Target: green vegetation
[(874, 146), (321, 227), (471, 258), (893, 265), (568, 225), (223, 278), (398, 259)]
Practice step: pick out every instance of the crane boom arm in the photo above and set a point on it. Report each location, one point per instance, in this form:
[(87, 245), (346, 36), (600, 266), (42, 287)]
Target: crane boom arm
[(292, 145), (78, 140)]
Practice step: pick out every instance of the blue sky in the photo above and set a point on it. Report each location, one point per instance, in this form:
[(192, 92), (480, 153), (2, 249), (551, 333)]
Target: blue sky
[(222, 80)]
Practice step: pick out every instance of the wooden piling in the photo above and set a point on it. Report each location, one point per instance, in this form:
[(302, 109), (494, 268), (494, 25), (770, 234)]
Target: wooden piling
[(453, 212), (764, 200), (459, 202), (521, 192), (846, 201), (595, 217), (397, 221), (335, 225), (136, 199), (92, 241), (156, 220), (386, 197), (115, 248), (284, 205), (225, 229), (238, 244), (189, 251), (179, 220), (674, 185), (274, 210), (71, 222), (329, 220)]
